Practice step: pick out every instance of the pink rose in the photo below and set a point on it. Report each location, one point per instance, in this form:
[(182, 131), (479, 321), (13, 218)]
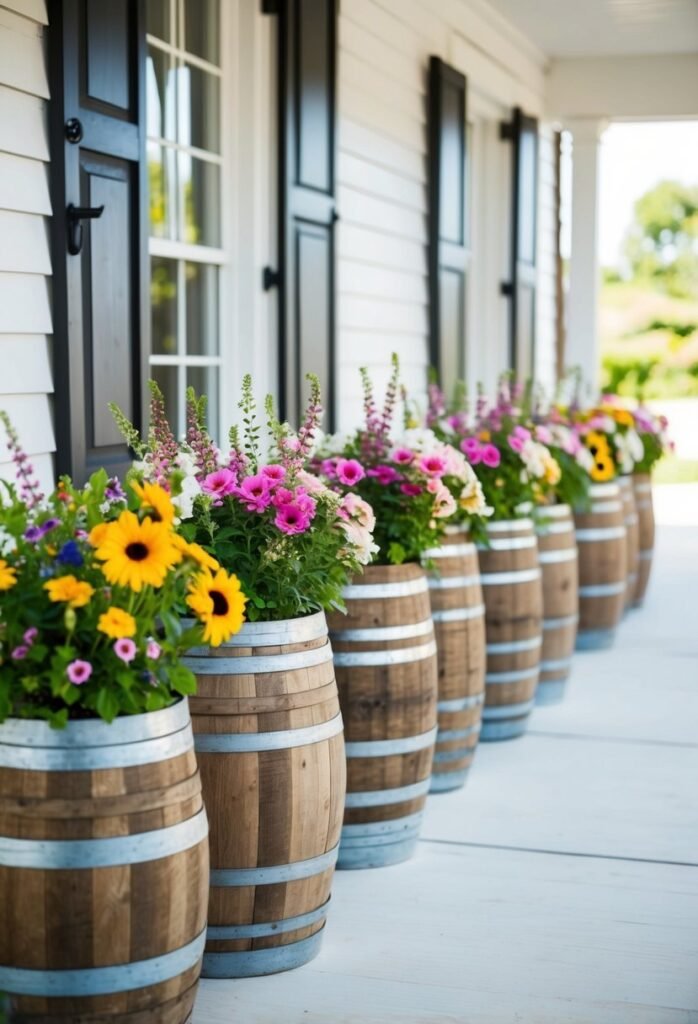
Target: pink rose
[(349, 471)]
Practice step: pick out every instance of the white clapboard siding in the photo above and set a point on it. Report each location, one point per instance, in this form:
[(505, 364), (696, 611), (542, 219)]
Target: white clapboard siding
[(365, 174), (379, 315), (362, 279), (25, 261), (394, 219)]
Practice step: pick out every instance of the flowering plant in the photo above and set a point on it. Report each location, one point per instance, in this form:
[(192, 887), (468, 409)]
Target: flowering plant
[(553, 429), (654, 435), (514, 468), (293, 541), (414, 481), (608, 431), (92, 583)]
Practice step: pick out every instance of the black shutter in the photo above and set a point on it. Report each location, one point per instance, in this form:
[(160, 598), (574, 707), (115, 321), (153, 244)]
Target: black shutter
[(522, 132), (307, 105), (447, 220), (97, 65)]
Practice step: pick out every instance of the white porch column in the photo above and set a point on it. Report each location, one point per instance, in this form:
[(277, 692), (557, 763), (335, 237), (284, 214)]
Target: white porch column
[(582, 340)]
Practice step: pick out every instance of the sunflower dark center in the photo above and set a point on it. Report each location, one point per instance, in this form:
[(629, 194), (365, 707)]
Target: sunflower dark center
[(137, 551), (220, 602)]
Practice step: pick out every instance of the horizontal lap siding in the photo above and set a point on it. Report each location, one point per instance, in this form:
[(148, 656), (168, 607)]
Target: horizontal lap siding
[(25, 261)]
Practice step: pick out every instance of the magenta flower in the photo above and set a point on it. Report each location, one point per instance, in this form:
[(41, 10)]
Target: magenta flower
[(20, 653), (472, 450), (153, 649), (282, 496), (521, 432), (349, 471), (385, 475), (305, 503), (328, 467), (125, 649), (273, 473), (79, 672), (403, 456), (543, 434), (255, 493), (219, 484), (432, 465), (411, 490), (30, 635), (291, 519), (491, 456), (515, 443)]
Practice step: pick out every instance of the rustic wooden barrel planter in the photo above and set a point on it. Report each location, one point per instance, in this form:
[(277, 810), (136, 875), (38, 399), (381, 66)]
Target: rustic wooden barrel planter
[(385, 658), (632, 528), (557, 555), (642, 486), (602, 547), (103, 869), (268, 734), (459, 624), (513, 595)]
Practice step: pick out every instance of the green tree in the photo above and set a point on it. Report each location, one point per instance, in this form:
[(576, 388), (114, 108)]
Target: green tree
[(662, 244)]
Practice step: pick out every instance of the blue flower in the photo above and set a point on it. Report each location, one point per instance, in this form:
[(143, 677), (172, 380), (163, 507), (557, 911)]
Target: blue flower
[(70, 554), (33, 533)]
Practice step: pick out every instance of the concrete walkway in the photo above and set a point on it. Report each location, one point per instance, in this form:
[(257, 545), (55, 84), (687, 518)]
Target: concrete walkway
[(561, 886)]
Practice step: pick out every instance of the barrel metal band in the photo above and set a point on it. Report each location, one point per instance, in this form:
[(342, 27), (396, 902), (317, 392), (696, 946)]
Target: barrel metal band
[(546, 529), (646, 555), (507, 710), (459, 614), (264, 663), (561, 623), (403, 588), (446, 756), (393, 827), (96, 733), (247, 742), (632, 520), (603, 507), (225, 877), (377, 634), (216, 932), (450, 551), (510, 524), (555, 666), (529, 644), (604, 490), (449, 582), (643, 488), (74, 759), (511, 677), (461, 703), (379, 797), (602, 533), (499, 579), (400, 656), (508, 544), (99, 981), (60, 854), (447, 735), (551, 557), (554, 511), (272, 634), (603, 589), (385, 748)]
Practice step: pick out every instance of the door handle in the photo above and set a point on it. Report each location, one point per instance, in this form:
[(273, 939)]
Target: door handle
[(75, 216)]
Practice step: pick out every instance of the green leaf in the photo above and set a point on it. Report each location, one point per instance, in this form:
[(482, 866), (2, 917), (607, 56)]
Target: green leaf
[(107, 705), (182, 680)]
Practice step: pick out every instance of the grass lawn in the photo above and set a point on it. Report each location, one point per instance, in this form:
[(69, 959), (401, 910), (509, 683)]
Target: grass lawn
[(676, 471)]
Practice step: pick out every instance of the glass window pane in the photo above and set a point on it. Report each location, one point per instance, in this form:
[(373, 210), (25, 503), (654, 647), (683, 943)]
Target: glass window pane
[(202, 29), (166, 378), (199, 109), (163, 305), (160, 186), (158, 19), (202, 309), (204, 380), (199, 183)]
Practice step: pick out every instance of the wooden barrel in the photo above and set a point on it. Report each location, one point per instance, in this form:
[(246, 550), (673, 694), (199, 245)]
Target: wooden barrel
[(602, 546), (632, 530), (513, 594), (642, 487), (557, 555), (459, 624), (385, 658), (268, 734), (103, 869)]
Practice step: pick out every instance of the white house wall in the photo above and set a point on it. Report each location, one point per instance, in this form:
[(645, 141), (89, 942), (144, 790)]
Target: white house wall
[(25, 263)]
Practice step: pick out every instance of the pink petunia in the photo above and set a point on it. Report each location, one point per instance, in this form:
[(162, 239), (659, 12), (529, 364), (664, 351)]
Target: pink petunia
[(385, 475), (305, 503), (402, 456), (472, 450), (125, 649), (515, 443), (273, 473), (282, 496), (291, 519), (20, 653), (30, 635), (521, 432), (411, 490), (153, 649), (255, 493), (219, 484), (543, 434), (79, 672), (349, 471), (491, 456), (432, 465), (328, 467)]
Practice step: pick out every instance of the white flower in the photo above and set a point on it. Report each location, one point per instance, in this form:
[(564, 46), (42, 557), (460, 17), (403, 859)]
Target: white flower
[(361, 541)]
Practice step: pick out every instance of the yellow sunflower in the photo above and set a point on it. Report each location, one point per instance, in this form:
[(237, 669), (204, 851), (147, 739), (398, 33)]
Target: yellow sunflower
[(136, 554), (97, 534), (156, 501), (8, 575), (117, 623), (622, 417), (217, 601), (196, 553), (75, 593), (603, 468)]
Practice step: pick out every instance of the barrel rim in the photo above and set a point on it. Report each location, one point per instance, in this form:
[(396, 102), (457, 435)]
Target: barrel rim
[(502, 525), (274, 633), (605, 490)]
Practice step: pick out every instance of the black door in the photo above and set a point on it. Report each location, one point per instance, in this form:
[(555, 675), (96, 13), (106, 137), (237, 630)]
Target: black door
[(97, 63), (447, 221), (307, 104)]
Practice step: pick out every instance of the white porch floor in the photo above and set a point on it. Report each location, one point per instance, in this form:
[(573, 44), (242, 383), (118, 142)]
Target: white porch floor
[(561, 886)]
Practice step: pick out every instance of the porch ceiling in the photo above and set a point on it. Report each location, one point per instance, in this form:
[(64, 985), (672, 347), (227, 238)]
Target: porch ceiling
[(602, 28)]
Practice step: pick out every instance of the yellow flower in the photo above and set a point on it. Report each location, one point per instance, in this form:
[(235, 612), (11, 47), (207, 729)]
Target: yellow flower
[(76, 593), (217, 601), (552, 472), (117, 623), (603, 469), (195, 552), (156, 500), (485, 435), (97, 534), (8, 575), (623, 417), (597, 444), (136, 554)]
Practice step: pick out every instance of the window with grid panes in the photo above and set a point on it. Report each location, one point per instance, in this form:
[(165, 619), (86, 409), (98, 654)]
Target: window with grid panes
[(185, 167)]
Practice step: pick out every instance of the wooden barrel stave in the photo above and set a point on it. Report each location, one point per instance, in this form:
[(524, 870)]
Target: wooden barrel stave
[(642, 488), (557, 554), (602, 548), (268, 734), (385, 659), (512, 589), (459, 625), (632, 527), (142, 827)]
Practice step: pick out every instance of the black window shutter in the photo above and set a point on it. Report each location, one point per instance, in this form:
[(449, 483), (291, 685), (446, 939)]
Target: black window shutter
[(447, 220), (101, 301), (307, 105), (523, 135)]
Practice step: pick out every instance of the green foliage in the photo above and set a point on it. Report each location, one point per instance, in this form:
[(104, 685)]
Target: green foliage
[(662, 245)]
